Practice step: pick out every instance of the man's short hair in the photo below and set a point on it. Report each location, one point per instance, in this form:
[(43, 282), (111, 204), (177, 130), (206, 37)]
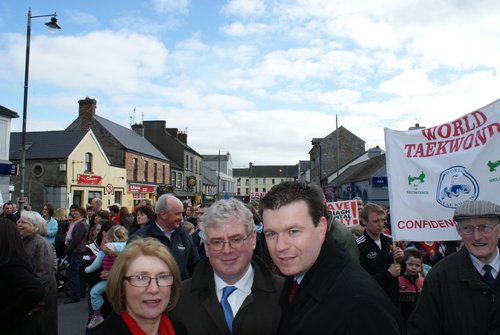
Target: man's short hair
[(162, 203), (476, 209), (371, 208), (292, 191), (222, 212)]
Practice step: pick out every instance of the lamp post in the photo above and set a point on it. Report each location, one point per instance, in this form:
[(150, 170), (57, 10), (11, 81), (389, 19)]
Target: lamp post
[(52, 25)]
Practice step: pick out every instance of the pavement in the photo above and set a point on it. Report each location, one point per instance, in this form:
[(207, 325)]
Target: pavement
[(72, 318)]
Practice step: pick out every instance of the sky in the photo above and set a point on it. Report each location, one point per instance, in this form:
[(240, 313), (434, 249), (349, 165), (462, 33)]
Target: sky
[(255, 78)]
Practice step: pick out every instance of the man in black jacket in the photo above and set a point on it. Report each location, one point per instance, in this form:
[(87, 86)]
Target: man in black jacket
[(376, 252), (168, 230), (325, 291)]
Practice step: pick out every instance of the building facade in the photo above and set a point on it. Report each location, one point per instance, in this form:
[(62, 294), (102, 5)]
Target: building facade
[(187, 164), (326, 157), (6, 115), (254, 182), (146, 167), (218, 169), (65, 168)]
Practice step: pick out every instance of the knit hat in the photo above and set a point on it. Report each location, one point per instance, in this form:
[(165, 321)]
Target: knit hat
[(476, 209)]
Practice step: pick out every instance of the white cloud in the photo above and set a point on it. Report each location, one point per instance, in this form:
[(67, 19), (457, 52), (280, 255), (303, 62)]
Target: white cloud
[(244, 7), (242, 29), (171, 6)]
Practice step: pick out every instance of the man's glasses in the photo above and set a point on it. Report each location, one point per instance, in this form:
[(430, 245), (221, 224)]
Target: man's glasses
[(234, 242), (144, 281), (485, 228)]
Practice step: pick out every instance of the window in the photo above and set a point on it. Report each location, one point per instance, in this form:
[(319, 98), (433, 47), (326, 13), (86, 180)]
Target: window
[(256, 189), (134, 168), (118, 197), (273, 181), (256, 181), (178, 182), (238, 191), (191, 159), (155, 172), (246, 190), (145, 170), (163, 168), (187, 163), (246, 182), (264, 190), (263, 180), (88, 162)]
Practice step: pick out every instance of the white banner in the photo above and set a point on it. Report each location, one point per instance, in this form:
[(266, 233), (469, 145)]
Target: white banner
[(432, 171)]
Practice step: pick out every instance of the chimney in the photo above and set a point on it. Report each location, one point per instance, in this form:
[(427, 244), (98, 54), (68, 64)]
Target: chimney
[(86, 111), (138, 129), (373, 152), (172, 131), (183, 137)]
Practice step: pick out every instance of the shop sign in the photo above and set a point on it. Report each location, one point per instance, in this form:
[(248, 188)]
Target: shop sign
[(135, 188), (88, 179)]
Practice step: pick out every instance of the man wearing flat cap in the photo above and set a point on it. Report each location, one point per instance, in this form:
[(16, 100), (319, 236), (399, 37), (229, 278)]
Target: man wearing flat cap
[(461, 294)]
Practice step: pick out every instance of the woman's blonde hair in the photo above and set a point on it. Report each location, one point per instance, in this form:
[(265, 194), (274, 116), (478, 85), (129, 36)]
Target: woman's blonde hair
[(115, 289), (117, 233)]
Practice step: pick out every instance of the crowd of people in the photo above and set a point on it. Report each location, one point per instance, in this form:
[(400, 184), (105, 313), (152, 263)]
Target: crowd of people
[(283, 266)]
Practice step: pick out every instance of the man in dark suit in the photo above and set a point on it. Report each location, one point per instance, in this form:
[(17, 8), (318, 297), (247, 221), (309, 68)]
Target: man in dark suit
[(168, 230), (231, 292), (460, 293), (326, 291), (8, 212)]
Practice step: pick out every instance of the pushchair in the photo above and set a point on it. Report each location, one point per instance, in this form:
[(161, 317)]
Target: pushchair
[(62, 275)]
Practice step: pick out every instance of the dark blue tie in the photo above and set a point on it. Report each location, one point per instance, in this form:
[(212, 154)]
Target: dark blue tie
[(488, 277), (226, 308)]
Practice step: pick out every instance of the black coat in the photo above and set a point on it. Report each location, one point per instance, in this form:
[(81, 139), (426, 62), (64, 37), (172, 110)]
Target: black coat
[(21, 292), (199, 309), (337, 296), (377, 262), (455, 300)]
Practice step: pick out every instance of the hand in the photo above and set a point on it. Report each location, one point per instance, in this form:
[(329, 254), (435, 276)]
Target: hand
[(395, 269), (397, 254), (104, 274)]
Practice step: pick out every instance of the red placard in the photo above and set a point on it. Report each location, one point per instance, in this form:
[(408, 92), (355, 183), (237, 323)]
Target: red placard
[(135, 188), (88, 179)]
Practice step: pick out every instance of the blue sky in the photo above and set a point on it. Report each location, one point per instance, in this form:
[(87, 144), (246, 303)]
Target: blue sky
[(259, 79)]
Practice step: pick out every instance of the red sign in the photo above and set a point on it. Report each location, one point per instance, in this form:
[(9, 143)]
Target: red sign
[(89, 179), (134, 188)]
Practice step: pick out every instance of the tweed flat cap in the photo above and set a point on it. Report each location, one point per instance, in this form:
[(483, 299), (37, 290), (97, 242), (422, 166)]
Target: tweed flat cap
[(476, 209)]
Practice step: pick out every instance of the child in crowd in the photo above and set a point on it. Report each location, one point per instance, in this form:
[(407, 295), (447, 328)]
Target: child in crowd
[(411, 282), (113, 243)]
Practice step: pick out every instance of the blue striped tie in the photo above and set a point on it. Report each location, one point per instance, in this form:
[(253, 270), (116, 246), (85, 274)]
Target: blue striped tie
[(226, 308)]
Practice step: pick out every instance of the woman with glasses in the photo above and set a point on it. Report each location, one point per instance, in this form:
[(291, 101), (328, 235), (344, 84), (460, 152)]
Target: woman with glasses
[(143, 284)]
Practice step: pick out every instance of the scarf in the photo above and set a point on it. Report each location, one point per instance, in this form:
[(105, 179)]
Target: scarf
[(165, 327)]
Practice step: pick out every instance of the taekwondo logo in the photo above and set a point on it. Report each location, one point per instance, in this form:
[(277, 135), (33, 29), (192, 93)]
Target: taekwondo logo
[(415, 182), (455, 187)]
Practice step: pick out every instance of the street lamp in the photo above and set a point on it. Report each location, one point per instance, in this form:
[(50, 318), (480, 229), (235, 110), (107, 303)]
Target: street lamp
[(52, 25)]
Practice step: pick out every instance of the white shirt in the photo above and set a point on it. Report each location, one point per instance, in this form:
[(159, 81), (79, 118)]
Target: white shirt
[(495, 264), (243, 289), (168, 234)]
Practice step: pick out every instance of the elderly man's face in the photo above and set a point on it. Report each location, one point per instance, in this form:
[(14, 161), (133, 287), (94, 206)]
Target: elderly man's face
[(481, 244)]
